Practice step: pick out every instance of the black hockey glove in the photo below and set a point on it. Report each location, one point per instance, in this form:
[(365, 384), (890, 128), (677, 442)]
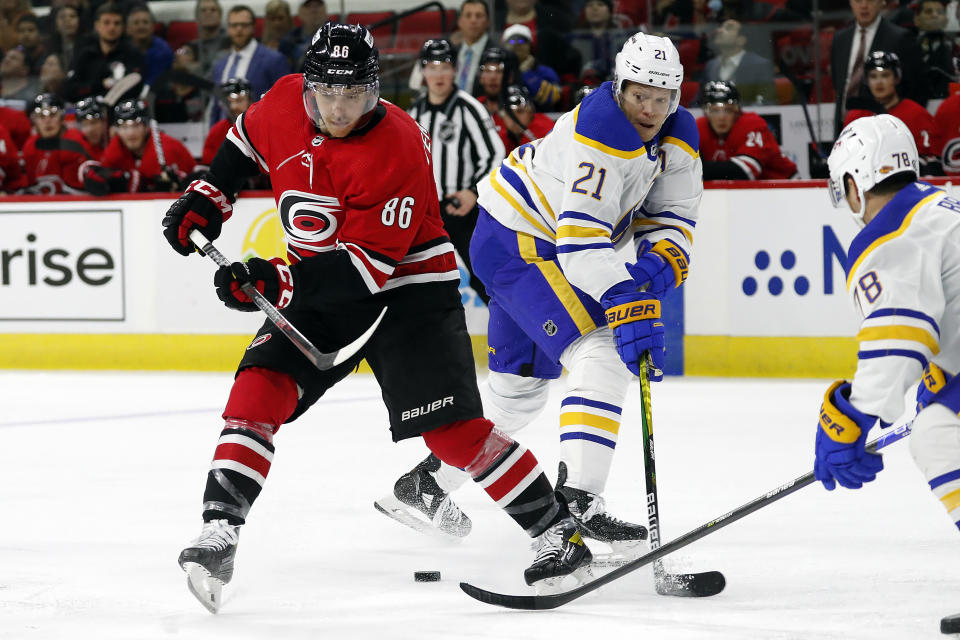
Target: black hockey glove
[(101, 181), (201, 206), (272, 278)]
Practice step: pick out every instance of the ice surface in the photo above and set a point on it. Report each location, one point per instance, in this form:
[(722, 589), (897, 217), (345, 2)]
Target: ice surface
[(101, 478)]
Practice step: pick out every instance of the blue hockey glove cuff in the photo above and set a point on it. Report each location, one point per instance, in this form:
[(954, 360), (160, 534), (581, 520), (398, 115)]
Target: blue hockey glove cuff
[(934, 379), (841, 438), (634, 318), (661, 267)]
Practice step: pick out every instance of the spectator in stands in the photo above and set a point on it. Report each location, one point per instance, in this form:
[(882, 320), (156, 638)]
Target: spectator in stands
[(17, 123), (735, 144), (851, 45), (277, 25), (10, 13), (549, 23), (883, 75), (248, 58), (472, 37), (692, 18), (598, 41), (937, 50), (12, 177), (182, 93), (157, 54), (53, 156), (92, 122), (52, 75), (130, 162), (542, 81), (498, 70), (235, 97), (518, 121), (106, 58), (752, 73), (66, 29), (312, 15), (29, 41), (15, 80), (212, 42)]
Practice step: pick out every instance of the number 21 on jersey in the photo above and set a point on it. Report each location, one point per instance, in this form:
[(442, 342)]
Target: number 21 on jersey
[(587, 180)]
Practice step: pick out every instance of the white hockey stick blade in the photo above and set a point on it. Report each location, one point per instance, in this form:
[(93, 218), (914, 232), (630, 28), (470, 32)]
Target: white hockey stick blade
[(205, 588), (120, 87), (407, 515)]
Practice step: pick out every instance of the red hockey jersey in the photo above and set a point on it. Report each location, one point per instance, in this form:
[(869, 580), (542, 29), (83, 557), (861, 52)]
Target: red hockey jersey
[(216, 136), (145, 170), (540, 126), (925, 131), (11, 174), (371, 193), (750, 144), (17, 123), (948, 119), (53, 164)]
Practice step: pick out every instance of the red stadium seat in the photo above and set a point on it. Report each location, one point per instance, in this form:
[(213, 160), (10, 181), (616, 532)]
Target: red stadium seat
[(415, 29), (258, 27), (382, 36), (180, 32), (689, 51), (688, 91)]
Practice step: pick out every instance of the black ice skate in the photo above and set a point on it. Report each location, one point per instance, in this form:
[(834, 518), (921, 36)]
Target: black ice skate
[(208, 561), (420, 503), (560, 552), (950, 624), (595, 522)]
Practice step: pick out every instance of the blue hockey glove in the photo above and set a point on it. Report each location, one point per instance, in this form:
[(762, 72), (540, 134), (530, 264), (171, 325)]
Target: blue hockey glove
[(272, 278), (635, 319), (934, 379), (841, 438), (661, 268)]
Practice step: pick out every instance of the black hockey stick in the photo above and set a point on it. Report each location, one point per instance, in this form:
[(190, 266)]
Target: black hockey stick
[(320, 360), (708, 583), (553, 601)]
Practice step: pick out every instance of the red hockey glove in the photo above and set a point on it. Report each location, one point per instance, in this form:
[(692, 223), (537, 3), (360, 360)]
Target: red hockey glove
[(201, 206), (101, 181), (272, 278)]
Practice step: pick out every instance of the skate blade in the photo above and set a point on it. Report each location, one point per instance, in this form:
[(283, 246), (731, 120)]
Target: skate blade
[(203, 586), (561, 584), (620, 554), (406, 515)]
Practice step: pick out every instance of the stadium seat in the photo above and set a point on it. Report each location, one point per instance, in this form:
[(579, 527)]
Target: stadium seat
[(383, 35), (689, 51), (688, 91), (180, 32), (415, 29)]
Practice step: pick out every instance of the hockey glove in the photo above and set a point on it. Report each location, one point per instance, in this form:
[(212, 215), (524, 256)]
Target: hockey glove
[(101, 181), (934, 379), (635, 320), (201, 206), (841, 438), (660, 268), (272, 278)]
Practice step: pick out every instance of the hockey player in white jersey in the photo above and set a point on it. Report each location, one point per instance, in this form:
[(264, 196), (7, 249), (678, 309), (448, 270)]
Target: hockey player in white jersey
[(903, 273), (621, 170)]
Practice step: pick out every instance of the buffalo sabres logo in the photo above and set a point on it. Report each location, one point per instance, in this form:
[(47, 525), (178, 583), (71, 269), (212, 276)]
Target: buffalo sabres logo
[(309, 219), (447, 132), (550, 328)]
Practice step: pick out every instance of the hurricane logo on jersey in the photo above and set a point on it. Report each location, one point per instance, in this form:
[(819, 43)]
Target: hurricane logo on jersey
[(951, 156), (309, 219)]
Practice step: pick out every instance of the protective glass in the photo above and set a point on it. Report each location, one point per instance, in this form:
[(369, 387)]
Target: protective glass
[(718, 109), (659, 103), (338, 105), (434, 68)]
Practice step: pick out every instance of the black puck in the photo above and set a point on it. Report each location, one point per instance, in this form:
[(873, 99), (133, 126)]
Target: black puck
[(950, 624), (426, 576)]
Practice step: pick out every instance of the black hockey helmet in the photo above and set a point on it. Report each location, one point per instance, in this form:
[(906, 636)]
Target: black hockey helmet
[(721, 92), (517, 96), (500, 56), (343, 55), (91, 108), (130, 111), (45, 104), (438, 50), (882, 60), (235, 87)]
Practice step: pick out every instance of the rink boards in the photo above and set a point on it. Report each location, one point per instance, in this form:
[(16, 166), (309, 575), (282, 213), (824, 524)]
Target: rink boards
[(90, 283)]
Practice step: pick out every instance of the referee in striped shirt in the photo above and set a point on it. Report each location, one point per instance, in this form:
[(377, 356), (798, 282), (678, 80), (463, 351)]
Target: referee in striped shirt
[(465, 145)]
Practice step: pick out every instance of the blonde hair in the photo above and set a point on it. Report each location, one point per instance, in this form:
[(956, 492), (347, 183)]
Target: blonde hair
[(275, 6)]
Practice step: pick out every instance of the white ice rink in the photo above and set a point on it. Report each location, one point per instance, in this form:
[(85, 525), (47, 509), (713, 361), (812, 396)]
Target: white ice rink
[(102, 474)]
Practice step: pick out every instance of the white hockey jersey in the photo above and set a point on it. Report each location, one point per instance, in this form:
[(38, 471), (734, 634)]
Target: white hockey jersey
[(903, 271), (591, 185)]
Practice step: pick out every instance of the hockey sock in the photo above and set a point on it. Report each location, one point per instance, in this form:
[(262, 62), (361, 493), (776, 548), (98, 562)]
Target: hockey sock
[(507, 471), (260, 401), (935, 445)]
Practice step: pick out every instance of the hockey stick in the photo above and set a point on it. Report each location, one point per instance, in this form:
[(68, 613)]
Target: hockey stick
[(553, 601), (120, 87), (320, 360), (155, 135), (708, 583)]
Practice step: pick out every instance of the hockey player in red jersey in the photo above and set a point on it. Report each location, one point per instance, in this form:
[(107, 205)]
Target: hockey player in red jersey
[(355, 191), (91, 115), (130, 162), (882, 70), (235, 95), (948, 119), (736, 144), (518, 121), (11, 174), (53, 156), (17, 123)]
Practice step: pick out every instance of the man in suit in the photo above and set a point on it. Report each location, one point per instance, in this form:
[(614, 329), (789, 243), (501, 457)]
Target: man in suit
[(851, 46), (247, 58), (752, 73)]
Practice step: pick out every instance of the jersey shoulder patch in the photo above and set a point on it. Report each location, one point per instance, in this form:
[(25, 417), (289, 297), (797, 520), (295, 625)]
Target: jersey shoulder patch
[(599, 123), (681, 130)]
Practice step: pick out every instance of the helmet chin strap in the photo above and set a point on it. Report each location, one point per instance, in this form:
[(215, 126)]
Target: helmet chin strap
[(858, 215)]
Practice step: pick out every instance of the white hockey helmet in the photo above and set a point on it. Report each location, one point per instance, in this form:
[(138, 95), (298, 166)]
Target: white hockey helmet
[(870, 150), (649, 60)]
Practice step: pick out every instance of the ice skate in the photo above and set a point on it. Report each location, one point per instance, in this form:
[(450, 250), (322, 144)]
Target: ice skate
[(420, 503), (950, 624), (208, 562), (560, 552)]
